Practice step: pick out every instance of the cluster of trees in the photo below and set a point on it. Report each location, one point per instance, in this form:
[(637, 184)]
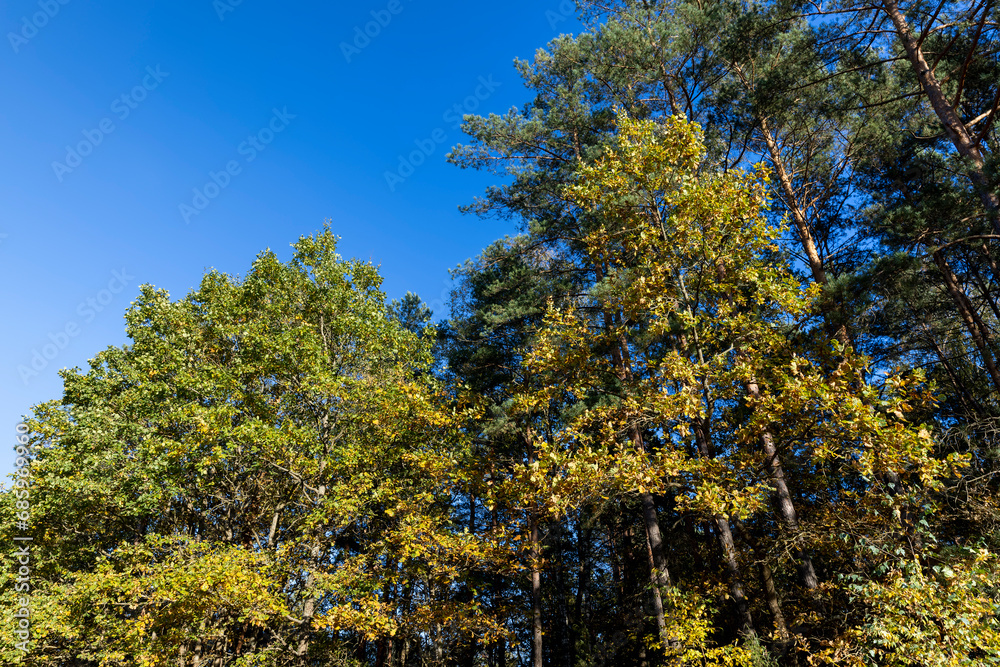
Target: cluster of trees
[(730, 398)]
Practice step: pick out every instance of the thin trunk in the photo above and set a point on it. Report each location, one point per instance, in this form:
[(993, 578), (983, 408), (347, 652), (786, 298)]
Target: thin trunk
[(311, 597), (837, 329), (536, 597), (792, 204), (498, 651), (198, 647), (767, 582), (735, 577), (405, 653), (968, 402), (404, 608), (725, 536), (970, 317), (582, 586), (562, 597), (657, 602), (536, 570), (438, 644), (383, 653), (783, 505), (273, 531), (659, 575), (773, 603)]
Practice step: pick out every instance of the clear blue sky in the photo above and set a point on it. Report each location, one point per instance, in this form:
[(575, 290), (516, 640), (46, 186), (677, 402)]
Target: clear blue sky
[(153, 97)]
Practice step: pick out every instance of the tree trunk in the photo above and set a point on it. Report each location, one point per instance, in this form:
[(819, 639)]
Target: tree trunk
[(582, 586), (960, 136), (438, 644), (783, 505), (536, 596), (970, 317), (735, 578), (773, 602), (767, 582), (725, 537), (968, 402), (837, 329), (536, 570), (309, 605), (792, 204), (659, 575)]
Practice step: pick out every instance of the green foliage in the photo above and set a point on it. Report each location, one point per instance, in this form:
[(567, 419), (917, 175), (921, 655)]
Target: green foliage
[(944, 614), (267, 462), (730, 398)]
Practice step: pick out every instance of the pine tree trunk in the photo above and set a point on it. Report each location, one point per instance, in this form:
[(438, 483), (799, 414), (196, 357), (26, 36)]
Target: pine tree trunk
[(792, 204), (970, 317), (963, 140), (837, 329)]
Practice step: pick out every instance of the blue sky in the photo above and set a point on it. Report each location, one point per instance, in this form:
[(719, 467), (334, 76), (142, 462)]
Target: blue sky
[(150, 141)]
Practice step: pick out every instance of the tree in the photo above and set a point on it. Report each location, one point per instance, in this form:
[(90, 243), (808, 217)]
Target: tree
[(264, 475), (716, 387)]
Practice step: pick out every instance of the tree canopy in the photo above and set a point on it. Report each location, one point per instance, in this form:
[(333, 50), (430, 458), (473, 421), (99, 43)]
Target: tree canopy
[(729, 397)]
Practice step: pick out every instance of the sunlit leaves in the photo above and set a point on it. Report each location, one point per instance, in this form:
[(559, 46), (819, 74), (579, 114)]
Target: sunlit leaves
[(268, 463)]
